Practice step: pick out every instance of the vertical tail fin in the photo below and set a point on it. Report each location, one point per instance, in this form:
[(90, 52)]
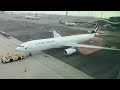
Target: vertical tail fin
[(94, 29), (55, 34)]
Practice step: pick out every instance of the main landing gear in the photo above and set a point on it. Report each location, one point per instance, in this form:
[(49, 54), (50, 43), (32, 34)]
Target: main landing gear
[(30, 54)]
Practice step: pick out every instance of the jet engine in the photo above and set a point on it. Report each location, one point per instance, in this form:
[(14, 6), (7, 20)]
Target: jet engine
[(69, 51)]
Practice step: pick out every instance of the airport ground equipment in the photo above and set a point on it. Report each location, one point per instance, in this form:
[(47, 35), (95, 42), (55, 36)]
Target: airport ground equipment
[(12, 58), (5, 35)]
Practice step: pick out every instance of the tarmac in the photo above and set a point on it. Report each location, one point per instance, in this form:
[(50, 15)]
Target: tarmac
[(38, 66), (99, 64)]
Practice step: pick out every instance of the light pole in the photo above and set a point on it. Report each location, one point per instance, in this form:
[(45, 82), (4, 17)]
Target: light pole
[(101, 21), (66, 13), (101, 14), (91, 14)]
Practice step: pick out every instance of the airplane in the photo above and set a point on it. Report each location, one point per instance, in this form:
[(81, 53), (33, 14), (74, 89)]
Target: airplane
[(67, 23), (72, 42), (31, 17), (70, 24)]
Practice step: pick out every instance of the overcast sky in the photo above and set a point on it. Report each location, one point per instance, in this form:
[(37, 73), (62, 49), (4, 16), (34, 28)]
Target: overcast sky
[(105, 14)]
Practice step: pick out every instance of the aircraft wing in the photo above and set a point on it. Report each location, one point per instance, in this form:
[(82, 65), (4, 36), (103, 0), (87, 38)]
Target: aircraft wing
[(90, 46)]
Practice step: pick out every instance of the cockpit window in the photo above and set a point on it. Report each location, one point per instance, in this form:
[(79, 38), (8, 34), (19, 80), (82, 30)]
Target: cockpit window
[(21, 46), (26, 48)]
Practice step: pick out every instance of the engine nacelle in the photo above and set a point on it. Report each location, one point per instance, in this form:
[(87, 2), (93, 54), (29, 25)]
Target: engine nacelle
[(69, 51)]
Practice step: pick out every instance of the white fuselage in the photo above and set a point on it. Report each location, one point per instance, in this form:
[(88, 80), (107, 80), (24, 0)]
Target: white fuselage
[(49, 43), (70, 24)]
